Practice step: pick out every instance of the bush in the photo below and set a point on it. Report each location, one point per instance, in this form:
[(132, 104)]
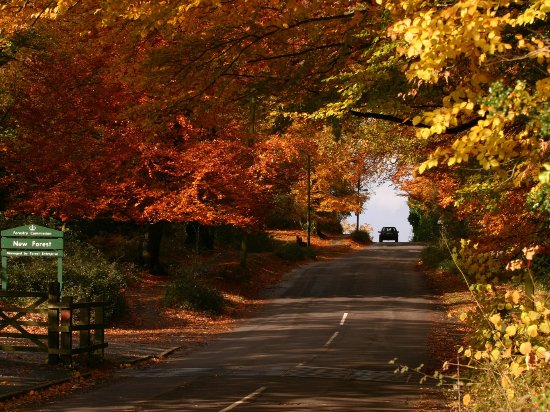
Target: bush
[(294, 252), (435, 257), (260, 242), (257, 242), (507, 351), (87, 276), (188, 292), (361, 236), (541, 270)]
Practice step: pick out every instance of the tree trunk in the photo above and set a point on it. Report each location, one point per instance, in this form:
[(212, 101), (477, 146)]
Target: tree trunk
[(308, 242), (244, 250), (152, 247), (199, 236)]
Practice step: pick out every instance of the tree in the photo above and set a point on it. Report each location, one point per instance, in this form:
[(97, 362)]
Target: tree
[(85, 157)]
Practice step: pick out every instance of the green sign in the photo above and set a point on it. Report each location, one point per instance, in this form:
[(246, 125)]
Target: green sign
[(31, 241), (32, 231), (33, 253)]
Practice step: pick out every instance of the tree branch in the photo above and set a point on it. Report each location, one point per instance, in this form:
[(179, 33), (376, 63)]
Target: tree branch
[(296, 54), (408, 122), (41, 13)]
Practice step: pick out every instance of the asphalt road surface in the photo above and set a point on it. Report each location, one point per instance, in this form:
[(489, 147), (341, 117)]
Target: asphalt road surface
[(323, 343)]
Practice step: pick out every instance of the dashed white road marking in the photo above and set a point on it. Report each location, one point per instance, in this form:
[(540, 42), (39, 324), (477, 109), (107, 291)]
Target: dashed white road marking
[(331, 339), (243, 400), (344, 318)]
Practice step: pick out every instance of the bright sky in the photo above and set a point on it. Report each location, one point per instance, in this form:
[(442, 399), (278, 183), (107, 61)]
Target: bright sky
[(386, 208)]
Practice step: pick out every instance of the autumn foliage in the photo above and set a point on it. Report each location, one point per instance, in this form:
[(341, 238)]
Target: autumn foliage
[(237, 113)]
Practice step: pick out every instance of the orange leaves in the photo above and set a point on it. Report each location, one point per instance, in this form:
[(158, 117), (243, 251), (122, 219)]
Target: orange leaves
[(210, 182)]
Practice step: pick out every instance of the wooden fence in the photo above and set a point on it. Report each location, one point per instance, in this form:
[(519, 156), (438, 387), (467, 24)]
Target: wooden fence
[(48, 324)]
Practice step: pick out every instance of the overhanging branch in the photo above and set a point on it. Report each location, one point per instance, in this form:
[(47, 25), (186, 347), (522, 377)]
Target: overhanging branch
[(408, 122)]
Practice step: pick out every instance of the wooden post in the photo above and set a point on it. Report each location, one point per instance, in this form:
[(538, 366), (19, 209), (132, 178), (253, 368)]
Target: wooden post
[(243, 256), (4, 273), (66, 332), (99, 333), (60, 271), (85, 341), (308, 201), (53, 323), (359, 206)]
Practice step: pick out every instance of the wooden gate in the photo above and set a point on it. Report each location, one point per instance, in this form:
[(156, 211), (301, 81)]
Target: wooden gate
[(47, 325), (16, 320)]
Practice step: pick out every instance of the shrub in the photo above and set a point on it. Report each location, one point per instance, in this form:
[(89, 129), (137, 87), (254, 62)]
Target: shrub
[(507, 353), (260, 242), (294, 252), (187, 292), (541, 270), (87, 276), (257, 242), (361, 236), (435, 256)]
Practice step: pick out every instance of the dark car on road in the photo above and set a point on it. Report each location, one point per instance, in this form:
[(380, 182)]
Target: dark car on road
[(388, 233)]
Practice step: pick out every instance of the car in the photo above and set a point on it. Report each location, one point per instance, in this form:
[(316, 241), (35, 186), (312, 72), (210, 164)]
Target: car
[(388, 233)]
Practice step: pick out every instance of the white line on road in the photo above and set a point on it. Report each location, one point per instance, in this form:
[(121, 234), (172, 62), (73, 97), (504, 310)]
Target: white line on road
[(344, 318), (331, 339), (243, 400)]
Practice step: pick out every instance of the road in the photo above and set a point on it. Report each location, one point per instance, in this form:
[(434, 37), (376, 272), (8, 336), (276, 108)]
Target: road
[(322, 343)]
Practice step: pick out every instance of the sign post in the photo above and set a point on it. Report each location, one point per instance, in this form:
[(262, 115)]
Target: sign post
[(32, 241)]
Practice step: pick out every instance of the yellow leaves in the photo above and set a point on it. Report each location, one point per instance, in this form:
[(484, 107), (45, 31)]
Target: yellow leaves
[(544, 176), (516, 369), (511, 346), (487, 163), (505, 381), (525, 348), (534, 316), (537, 11), (513, 296), (427, 74), (532, 331), (495, 355), (543, 88), (495, 319), (525, 318), (428, 164), (463, 29), (511, 330), (490, 141), (425, 133), (466, 399), (409, 36), (541, 352)]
